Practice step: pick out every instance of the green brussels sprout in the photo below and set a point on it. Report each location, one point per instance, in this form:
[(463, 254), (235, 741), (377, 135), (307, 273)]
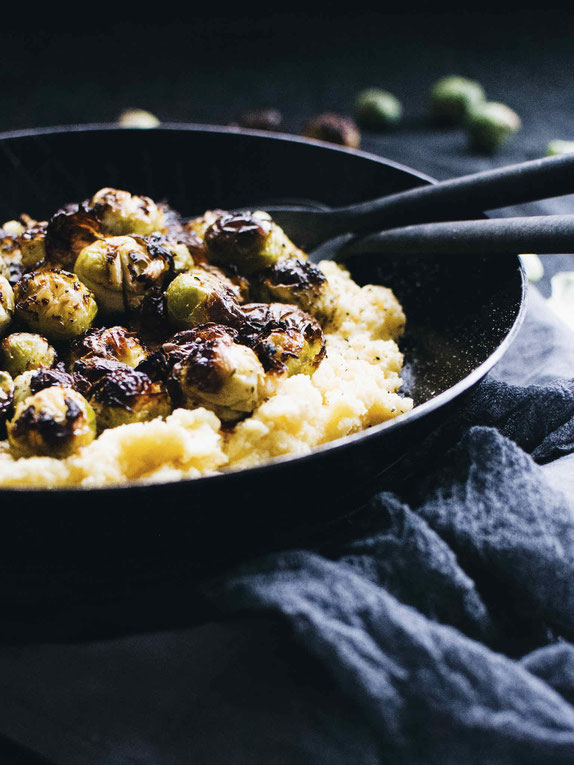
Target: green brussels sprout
[(377, 109), (249, 241), (6, 394), (197, 297), (121, 270), (6, 304), (490, 125), (114, 343), (55, 303), (71, 229), (292, 280), (213, 371), (124, 395), (286, 339), (559, 147), (35, 380), (22, 351), (121, 213), (32, 243), (55, 422), (453, 98)]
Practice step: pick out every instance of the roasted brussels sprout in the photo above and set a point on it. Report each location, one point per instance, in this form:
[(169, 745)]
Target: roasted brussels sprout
[(209, 369), (286, 339), (490, 125), (35, 380), (250, 242), (55, 303), (6, 304), (292, 280), (6, 395), (198, 296), (55, 422), (453, 98), (121, 213), (377, 109), (114, 343), (22, 351), (120, 270), (32, 243), (124, 395)]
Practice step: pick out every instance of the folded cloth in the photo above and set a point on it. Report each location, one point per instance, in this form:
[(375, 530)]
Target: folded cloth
[(442, 632)]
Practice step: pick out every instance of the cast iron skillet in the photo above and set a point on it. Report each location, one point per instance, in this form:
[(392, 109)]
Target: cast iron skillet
[(76, 545)]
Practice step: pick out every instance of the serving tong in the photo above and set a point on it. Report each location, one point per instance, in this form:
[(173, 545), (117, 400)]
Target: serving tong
[(434, 218)]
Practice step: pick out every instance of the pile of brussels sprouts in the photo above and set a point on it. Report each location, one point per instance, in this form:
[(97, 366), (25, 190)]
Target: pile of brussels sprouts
[(117, 310)]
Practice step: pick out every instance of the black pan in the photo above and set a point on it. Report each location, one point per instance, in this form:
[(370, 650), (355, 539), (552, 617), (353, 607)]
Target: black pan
[(77, 545)]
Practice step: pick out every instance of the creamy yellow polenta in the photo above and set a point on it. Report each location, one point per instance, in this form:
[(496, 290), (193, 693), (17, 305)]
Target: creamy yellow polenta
[(354, 387)]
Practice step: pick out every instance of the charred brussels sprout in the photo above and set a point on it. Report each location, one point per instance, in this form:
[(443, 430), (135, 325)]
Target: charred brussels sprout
[(121, 270), (124, 395), (70, 230), (114, 343), (55, 422), (452, 99), (250, 242), (286, 339), (33, 244), (292, 280), (35, 380), (490, 125), (22, 351), (198, 296), (213, 371), (55, 303), (377, 109), (121, 213), (6, 304)]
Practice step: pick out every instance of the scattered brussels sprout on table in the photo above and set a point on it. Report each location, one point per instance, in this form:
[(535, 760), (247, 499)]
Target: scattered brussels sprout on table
[(377, 109), (453, 98), (260, 119), (557, 147), (138, 118), (490, 124)]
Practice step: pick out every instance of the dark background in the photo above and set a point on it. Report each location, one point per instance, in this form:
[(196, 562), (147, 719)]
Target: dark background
[(210, 64)]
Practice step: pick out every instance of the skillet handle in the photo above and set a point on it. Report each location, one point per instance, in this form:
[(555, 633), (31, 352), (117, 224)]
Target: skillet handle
[(464, 197), (544, 233)]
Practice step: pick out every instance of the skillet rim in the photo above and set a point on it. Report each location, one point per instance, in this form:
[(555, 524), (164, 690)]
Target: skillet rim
[(342, 443)]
